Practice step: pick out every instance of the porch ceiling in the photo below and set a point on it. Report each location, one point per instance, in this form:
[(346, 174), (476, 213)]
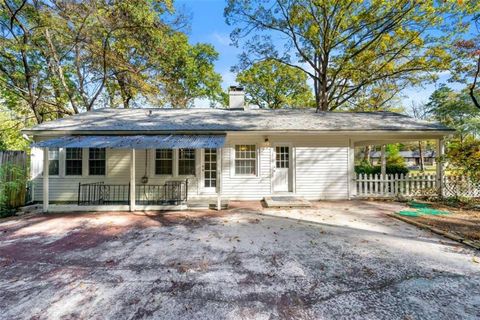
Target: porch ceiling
[(135, 142)]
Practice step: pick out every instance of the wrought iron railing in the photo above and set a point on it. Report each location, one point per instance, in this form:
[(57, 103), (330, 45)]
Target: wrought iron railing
[(170, 193), (99, 193)]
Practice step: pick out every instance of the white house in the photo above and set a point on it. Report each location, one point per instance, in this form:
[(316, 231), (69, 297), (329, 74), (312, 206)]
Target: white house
[(138, 159)]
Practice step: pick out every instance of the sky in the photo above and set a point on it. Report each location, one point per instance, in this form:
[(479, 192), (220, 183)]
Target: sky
[(207, 25)]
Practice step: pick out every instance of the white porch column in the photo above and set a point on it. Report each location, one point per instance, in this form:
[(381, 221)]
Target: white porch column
[(440, 167), (132, 180), (219, 179), (352, 186), (45, 180), (383, 168), (384, 162)]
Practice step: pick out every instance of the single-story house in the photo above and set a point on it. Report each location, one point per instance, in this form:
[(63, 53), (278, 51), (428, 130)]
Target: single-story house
[(412, 158), (139, 159)]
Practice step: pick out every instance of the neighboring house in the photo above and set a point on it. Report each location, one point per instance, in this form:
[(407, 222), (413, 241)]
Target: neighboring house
[(412, 158), (138, 159)]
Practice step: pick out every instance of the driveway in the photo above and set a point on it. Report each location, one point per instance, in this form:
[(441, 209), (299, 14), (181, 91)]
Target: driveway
[(337, 260)]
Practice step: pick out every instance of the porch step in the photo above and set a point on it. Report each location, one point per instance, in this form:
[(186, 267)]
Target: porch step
[(206, 203), (32, 208), (286, 202)]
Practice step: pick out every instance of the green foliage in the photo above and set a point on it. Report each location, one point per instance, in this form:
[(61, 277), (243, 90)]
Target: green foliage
[(62, 58), (456, 110), (188, 73), (463, 158), (13, 180), (393, 156), (347, 46), (10, 136), (273, 85), (366, 168)]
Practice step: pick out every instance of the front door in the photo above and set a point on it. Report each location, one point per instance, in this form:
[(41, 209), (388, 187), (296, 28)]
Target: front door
[(281, 171), (210, 170)]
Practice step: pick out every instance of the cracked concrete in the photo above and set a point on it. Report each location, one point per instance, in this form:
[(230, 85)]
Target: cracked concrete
[(337, 260)]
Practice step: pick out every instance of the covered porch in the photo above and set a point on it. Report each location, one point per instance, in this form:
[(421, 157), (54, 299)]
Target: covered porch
[(397, 185), (141, 192)]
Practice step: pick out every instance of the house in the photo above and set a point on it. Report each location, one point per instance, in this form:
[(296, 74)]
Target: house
[(412, 158), (139, 159)]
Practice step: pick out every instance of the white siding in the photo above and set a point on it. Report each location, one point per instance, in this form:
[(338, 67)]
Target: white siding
[(321, 169), (65, 188)]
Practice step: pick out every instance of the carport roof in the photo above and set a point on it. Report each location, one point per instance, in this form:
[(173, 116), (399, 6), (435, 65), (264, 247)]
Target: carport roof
[(227, 120)]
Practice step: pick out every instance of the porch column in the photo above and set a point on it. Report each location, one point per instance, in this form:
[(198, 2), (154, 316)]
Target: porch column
[(219, 179), (440, 167), (383, 167), (45, 180), (352, 186), (132, 180)]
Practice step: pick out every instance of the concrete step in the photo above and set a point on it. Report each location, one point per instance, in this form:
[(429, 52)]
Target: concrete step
[(286, 202)]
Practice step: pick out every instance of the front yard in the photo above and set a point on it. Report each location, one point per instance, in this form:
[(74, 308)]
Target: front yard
[(336, 260)]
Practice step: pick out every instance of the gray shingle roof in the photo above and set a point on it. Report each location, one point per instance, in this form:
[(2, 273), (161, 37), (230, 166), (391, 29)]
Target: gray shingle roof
[(221, 120)]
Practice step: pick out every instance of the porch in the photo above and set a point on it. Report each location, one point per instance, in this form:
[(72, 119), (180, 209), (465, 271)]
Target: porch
[(157, 173)]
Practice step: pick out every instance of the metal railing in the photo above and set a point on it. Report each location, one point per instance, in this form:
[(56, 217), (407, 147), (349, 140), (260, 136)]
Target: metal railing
[(99, 193)]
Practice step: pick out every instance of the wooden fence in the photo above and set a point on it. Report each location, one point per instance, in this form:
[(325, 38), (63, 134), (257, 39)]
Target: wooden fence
[(14, 197), (411, 185)]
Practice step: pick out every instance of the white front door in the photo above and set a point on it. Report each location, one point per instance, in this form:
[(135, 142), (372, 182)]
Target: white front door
[(281, 170), (210, 170)]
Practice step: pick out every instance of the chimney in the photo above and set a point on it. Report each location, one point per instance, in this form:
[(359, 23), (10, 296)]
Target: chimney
[(236, 98)]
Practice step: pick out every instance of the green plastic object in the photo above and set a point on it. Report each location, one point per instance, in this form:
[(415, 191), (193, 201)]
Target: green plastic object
[(432, 211), (418, 205), (409, 213)]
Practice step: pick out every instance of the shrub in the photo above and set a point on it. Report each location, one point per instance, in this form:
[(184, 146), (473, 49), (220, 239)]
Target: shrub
[(12, 186), (390, 169)]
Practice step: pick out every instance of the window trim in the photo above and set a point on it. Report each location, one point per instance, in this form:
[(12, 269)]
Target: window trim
[(195, 159), (154, 163), (82, 159), (88, 164), (233, 158)]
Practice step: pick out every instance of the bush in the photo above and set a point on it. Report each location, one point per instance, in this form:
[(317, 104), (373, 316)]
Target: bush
[(12, 188), (391, 169)]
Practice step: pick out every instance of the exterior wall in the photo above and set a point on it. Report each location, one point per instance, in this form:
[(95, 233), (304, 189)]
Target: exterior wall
[(320, 163), (65, 188), (320, 167)]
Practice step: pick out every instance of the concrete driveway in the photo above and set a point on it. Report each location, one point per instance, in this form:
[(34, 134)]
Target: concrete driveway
[(341, 260)]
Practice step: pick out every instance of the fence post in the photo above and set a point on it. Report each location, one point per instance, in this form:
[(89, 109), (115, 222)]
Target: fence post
[(440, 167)]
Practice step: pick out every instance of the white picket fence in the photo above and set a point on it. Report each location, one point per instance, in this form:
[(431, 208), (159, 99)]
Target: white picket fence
[(393, 185)]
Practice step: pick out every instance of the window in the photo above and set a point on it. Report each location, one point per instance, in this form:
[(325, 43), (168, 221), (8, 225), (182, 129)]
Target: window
[(53, 162), (281, 157), (245, 159), (73, 162), (163, 161), (96, 161), (186, 161)]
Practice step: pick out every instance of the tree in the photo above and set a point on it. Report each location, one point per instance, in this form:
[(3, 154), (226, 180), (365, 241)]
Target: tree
[(466, 67), (393, 157), (59, 58), (188, 73), (273, 85), (345, 46), (455, 110), (420, 111)]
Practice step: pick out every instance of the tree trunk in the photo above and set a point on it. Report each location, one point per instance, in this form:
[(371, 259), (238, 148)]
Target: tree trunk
[(420, 150), (366, 154)]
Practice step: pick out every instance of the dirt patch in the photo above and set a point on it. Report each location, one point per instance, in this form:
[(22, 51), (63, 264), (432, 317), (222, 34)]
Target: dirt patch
[(462, 223)]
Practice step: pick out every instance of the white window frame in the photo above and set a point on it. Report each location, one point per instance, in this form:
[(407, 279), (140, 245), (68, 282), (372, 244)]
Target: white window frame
[(84, 154), (88, 163), (154, 163), (195, 153), (233, 159)]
